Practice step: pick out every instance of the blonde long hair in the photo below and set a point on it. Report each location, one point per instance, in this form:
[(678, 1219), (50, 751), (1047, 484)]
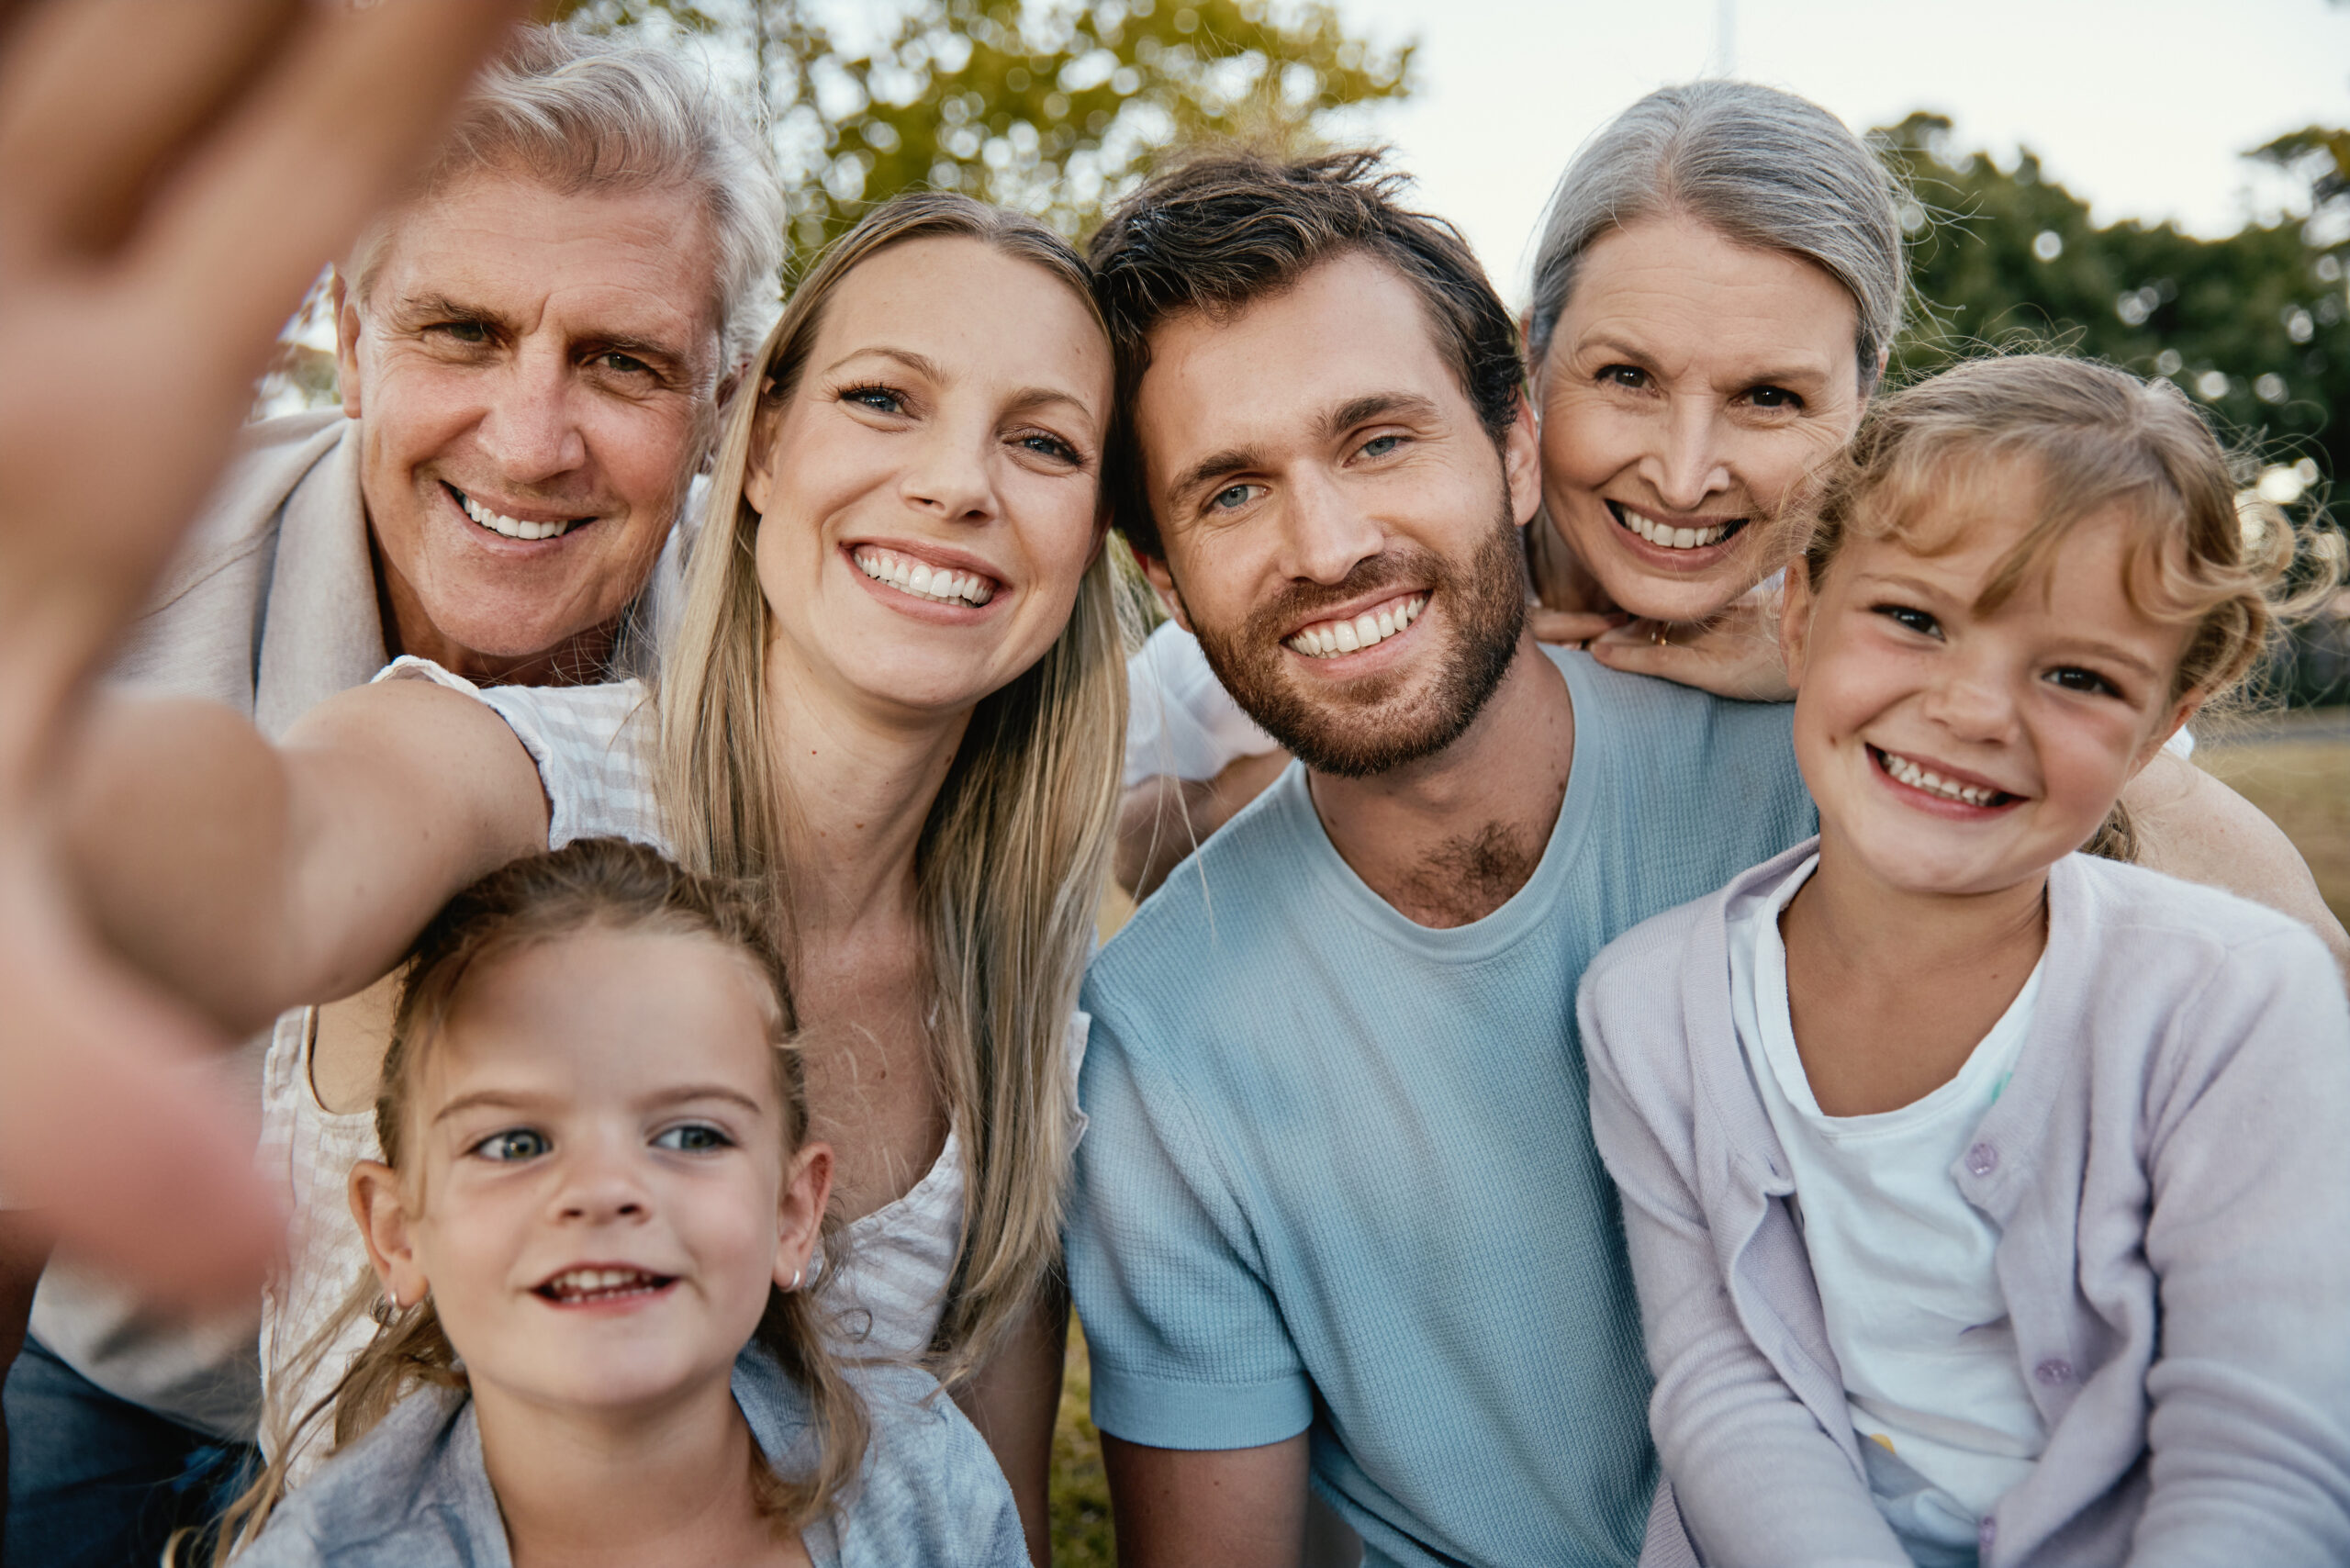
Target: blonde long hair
[(588, 884), (1011, 856)]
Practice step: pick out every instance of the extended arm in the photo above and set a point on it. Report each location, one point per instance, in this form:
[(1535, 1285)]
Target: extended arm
[(1758, 1481), (249, 876)]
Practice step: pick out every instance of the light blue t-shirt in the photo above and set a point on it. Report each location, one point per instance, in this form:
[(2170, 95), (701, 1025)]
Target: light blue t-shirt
[(1339, 1172)]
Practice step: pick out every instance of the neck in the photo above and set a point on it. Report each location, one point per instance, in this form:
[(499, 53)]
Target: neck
[(1450, 838), (578, 660), (1874, 934), (862, 783), (668, 1485)]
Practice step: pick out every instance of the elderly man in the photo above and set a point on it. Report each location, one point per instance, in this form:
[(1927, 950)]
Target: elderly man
[(531, 354)]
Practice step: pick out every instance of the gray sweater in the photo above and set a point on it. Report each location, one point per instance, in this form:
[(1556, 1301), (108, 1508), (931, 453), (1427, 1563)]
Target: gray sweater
[(412, 1494), (2170, 1170)]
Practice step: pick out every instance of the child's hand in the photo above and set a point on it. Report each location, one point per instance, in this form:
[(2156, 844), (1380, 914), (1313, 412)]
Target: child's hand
[(1735, 655), (171, 178)]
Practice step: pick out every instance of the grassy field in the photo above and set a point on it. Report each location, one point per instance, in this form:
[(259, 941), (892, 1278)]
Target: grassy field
[(2297, 769)]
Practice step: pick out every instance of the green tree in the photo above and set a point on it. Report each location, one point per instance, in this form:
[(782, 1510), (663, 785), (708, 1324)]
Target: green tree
[(1052, 106)]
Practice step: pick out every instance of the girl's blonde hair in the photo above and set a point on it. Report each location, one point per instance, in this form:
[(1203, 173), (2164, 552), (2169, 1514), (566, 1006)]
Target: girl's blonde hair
[(601, 884), (2204, 552), (1011, 859)]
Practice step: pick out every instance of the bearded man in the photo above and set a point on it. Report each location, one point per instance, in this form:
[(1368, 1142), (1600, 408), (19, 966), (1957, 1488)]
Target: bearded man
[(1339, 1224)]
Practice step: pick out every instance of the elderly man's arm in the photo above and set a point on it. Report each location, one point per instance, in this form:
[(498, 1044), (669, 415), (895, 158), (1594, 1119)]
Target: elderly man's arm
[(2194, 827)]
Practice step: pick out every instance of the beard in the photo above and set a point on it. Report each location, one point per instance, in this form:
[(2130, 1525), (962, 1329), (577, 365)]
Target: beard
[(1379, 722)]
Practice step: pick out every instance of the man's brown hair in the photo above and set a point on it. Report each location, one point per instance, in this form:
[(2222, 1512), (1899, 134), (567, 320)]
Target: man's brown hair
[(1224, 229)]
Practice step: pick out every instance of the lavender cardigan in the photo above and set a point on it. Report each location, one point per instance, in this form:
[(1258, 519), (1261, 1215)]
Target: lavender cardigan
[(2170, 1170)]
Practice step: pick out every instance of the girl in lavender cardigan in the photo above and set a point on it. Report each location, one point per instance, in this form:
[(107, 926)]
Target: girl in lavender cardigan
[(1989, 1202)]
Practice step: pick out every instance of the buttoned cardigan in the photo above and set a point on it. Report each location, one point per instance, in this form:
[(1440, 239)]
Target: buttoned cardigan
[(2169, 1167)]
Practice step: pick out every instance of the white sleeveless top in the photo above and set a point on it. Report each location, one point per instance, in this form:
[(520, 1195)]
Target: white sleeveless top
[(593, 746)]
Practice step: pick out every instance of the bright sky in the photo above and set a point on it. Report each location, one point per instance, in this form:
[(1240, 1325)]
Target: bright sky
[(2140, 107)]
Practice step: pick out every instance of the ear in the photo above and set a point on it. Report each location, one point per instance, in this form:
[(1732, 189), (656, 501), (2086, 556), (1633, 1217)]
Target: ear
[(2187, 707), (1522, 461), (1795, 619), (346, 344), (384, 1224), (799, 1211), (758, 478), (1162, 583)]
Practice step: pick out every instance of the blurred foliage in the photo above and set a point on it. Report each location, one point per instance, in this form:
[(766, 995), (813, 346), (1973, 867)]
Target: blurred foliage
[(2256, 326), (1051, 106)]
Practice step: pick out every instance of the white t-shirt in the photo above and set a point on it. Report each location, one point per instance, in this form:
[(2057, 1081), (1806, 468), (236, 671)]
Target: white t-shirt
[(1180, 720), (1904, 1262)]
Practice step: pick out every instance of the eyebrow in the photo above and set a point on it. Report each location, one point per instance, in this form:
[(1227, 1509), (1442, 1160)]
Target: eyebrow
[(520, 1100)]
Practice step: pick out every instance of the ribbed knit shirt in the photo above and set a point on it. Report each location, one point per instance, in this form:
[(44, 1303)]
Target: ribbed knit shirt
[(1339, 1174)]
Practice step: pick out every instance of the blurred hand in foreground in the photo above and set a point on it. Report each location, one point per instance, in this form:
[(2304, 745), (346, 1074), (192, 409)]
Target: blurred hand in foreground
[(172, 176)]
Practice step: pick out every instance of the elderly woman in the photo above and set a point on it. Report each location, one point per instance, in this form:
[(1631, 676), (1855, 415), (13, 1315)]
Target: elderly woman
[(1718, 284)]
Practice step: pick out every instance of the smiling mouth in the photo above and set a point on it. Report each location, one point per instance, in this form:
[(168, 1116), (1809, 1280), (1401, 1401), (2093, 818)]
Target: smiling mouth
[(912, 575), (582, 1287), (1664, 536), (1328, 639), (1926, 782), (511, 527)]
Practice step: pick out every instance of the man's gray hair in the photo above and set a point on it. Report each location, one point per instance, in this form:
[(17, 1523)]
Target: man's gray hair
[(578, 113), (1758, 166)]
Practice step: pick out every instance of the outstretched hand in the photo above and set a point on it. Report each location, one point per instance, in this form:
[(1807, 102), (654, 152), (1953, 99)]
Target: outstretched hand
[(171, 178)]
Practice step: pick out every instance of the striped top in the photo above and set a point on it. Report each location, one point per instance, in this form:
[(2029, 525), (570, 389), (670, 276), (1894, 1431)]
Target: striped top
[(593, 746)]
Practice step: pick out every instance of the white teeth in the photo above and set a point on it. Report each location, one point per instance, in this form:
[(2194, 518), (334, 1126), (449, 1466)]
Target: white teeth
[(513, 527), (1671, 538), (600, 1281), (920, 579), (1327, 639), (1933, 783)]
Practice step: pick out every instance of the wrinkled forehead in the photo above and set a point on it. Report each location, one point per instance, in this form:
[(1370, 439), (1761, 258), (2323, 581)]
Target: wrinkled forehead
[(638, 255)]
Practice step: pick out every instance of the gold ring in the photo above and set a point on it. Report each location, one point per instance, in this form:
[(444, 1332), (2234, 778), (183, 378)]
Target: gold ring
[(1662, 635)]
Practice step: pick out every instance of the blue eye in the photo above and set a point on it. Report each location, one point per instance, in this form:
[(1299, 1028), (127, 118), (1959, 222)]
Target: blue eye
[(1381, 445), (1231, 497), (880, 399), (692, 1137), (1050, 447), (513, 1143)]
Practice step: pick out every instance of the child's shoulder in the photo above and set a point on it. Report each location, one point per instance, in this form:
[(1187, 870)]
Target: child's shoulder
[(1635, 964), (2117, 904), (411, 1492)]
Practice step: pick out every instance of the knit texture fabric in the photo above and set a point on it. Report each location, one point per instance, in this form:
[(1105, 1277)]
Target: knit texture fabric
[(1339, 1174)]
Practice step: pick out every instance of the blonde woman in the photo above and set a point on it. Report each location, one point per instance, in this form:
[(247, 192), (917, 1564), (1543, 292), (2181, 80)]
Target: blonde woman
[(896, 694)]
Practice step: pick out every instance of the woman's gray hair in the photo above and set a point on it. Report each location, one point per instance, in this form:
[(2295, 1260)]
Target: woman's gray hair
[(578, 113), (1758, 166)]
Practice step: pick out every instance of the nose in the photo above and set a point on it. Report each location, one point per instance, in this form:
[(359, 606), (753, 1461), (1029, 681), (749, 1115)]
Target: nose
[(1326, 534), (530, 429), (950, 476), (1973, 698), (1689, 463), (599, 1186)]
